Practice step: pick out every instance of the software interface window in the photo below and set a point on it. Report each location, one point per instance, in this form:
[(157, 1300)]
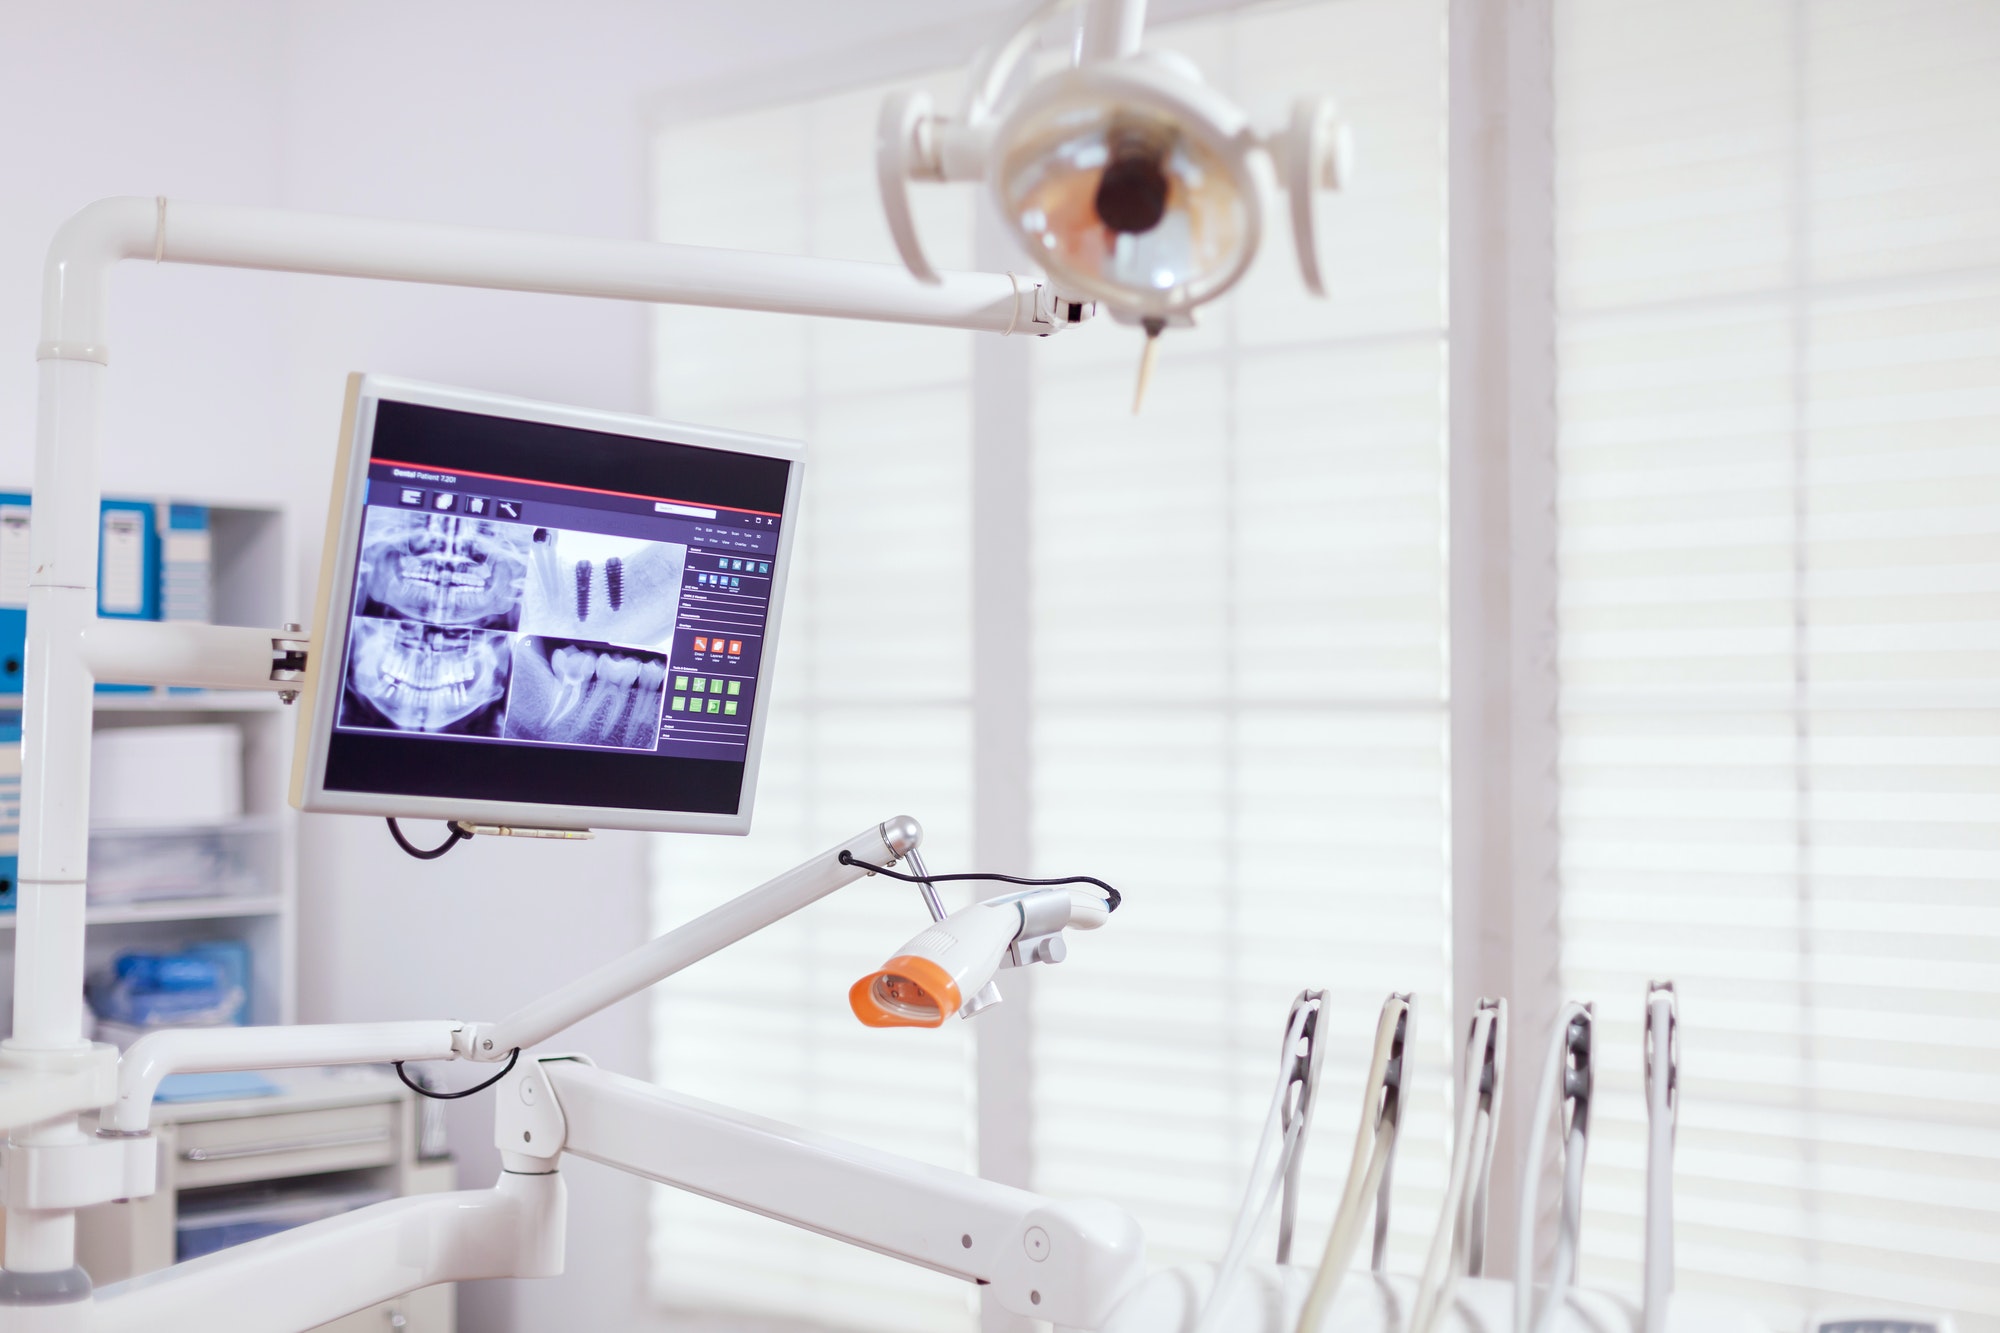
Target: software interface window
[(500, 609), (516, 606)]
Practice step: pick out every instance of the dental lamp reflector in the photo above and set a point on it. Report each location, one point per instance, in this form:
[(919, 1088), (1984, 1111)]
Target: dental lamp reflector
[(1134, 185)]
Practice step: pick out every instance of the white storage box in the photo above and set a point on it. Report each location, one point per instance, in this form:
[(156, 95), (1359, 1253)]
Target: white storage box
[(166, 777)]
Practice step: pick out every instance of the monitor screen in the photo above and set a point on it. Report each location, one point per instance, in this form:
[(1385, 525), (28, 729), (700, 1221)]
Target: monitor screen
[(539, 613)]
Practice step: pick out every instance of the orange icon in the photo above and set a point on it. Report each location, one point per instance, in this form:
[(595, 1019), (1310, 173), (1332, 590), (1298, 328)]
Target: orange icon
[(735, 647), (701, 645)]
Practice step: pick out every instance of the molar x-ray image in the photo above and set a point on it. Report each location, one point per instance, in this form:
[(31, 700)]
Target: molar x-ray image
[(408, 676), (586, 585), (441, 568), (586, 694)]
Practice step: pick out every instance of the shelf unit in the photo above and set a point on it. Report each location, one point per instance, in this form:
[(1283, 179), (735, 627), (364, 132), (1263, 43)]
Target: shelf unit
[(253, 584)]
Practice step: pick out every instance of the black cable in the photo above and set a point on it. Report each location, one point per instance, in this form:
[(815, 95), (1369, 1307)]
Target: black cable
[(418, 1088), (1111, 896), (457, 836)]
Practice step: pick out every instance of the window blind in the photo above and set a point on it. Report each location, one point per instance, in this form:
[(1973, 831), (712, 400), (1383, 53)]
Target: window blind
[(1779, 290), (1239, 670), (870, 717)]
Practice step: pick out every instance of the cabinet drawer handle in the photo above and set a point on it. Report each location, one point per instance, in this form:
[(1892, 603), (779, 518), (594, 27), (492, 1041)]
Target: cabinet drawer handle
[(349, 1140)]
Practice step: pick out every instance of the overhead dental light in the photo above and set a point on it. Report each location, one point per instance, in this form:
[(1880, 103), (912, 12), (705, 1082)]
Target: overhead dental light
[(1129, 181)]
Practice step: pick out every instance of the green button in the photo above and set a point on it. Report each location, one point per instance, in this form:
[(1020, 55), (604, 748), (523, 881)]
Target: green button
[(730, 707), (715, 705), (680, 682), (736, 687), (680, 703), (700, 685)]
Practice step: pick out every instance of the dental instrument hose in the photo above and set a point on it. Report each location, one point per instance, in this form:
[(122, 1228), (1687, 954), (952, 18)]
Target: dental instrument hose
[(1374, 1146)]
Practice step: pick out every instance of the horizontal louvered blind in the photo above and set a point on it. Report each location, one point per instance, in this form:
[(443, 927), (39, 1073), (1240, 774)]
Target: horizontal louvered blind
[(1779, 281), (1239, 669), (871, 715)]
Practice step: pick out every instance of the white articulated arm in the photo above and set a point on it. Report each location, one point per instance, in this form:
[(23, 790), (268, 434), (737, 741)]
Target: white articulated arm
[(210, 1050), (227, 236), (214, 1050), (804, 884), (1069, 1263)]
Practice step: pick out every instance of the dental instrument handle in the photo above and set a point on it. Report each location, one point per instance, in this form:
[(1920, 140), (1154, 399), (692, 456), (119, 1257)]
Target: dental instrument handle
[(1548, 1092), (1662, 1116), (1374, 1148)]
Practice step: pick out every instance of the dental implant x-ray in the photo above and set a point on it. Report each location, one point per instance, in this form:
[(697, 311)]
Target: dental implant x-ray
[(572, 693), (603, 589)]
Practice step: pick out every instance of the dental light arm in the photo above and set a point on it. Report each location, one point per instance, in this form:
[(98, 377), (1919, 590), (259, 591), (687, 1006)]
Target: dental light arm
[(736, 919), (206, 1050)]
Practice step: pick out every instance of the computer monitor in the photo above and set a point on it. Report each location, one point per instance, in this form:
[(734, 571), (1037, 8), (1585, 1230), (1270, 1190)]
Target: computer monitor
[(543, 616)]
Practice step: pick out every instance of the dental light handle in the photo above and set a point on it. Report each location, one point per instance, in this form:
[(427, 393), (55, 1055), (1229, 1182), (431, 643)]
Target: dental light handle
[(1374, 1148), (937, 973), (801, 886)]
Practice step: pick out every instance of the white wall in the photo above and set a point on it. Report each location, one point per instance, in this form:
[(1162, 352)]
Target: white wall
[(228, 384)]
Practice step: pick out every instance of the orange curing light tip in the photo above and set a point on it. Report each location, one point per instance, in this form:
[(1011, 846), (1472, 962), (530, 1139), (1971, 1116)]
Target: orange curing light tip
[(908, 992)]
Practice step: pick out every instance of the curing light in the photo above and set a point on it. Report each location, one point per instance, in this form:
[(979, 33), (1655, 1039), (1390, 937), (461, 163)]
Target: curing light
[(946, 969)]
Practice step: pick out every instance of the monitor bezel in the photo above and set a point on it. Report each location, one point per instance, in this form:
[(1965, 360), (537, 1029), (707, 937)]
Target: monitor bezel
[(326, 662)]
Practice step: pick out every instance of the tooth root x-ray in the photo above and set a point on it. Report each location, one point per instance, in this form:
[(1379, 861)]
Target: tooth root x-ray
[(587, 585), (586, 694), (442, 568), (408, 676)]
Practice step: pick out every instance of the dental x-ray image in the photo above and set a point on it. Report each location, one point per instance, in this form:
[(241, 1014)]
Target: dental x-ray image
[(442, 568), (572, 693), (605, 589), (407, 676)]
